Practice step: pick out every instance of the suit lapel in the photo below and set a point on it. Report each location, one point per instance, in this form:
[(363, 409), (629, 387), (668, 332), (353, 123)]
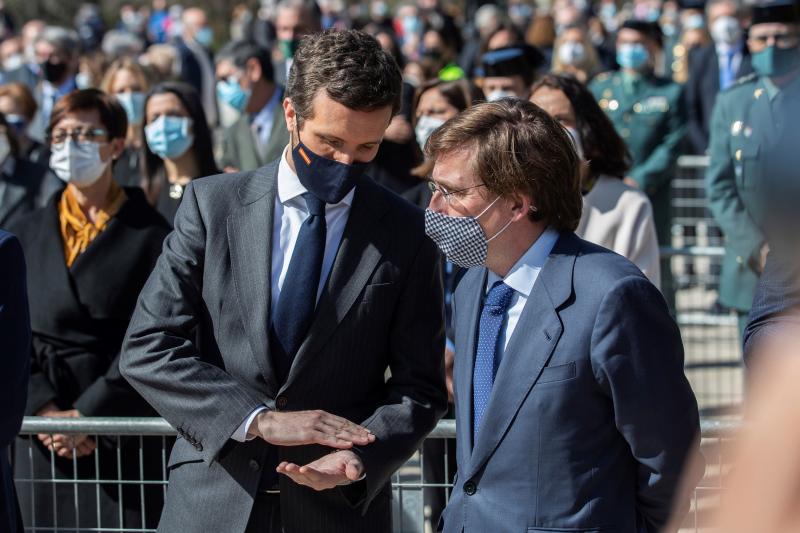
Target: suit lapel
[(250, 243), (529, 349), (359, 253), (468, 307)]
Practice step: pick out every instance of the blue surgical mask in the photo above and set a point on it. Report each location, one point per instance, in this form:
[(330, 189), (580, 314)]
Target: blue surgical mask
[(632, 56), (204, 36), (327, 179), (169, 137), (133, 104), (18, 124), (230, 92), (694, 22)]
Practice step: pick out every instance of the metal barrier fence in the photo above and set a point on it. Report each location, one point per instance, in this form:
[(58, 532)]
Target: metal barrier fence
[(420, 490), (710, 334)]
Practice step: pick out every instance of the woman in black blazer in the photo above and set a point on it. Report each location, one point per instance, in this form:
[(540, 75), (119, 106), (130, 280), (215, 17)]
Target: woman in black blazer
[(89, 252)]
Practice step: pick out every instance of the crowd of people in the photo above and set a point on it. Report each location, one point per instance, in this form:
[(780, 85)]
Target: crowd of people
[(576, 113)]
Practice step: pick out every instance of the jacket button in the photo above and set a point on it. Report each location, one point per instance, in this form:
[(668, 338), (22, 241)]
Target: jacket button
[(254, 466), (470, 488), (282, 402)]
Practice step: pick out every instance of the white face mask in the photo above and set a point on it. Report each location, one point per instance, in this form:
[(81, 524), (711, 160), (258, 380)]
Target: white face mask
[(5, 148), (79, 164), (572, 53), (499, 94), (426, 125), (726, 30), (576, 141)]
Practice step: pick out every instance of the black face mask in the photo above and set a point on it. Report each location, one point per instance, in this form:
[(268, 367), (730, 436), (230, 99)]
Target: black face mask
[(53, 72), (327, 179)]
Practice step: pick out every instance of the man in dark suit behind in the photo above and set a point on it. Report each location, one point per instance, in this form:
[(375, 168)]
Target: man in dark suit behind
[(245, 83), (15, 339), (713, 68), (572, 409), (228, 344)]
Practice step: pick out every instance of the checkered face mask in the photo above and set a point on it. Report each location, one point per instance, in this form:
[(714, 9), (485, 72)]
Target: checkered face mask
[(461, 239)]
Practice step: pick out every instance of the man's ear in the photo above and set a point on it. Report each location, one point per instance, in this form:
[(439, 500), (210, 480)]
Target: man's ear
[(289, 115), (253, 70), (521, 205)]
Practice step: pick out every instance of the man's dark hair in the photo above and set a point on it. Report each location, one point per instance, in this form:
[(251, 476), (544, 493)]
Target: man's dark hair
[(603, 148), (350, 66), (240, 52)]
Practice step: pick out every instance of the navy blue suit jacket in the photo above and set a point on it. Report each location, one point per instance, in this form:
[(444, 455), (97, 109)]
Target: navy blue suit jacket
[(591, 418), (776, 301), (15, 345)]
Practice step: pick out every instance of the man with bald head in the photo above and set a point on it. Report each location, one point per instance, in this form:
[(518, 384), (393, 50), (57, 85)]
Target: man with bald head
[(197, 68)]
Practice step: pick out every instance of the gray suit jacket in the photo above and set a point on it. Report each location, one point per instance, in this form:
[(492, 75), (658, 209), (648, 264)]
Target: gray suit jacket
[(239, 147), (197, 349), (591, 417)]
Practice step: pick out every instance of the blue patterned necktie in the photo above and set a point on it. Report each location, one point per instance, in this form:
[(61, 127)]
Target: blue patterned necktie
[(298, 296), (486, 361)]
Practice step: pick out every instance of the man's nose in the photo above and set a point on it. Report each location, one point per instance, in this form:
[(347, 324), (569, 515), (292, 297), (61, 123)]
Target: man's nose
[(437, 204)]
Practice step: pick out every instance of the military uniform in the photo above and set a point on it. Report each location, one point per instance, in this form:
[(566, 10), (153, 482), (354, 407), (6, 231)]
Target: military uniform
[(755, 156), (649, 113)]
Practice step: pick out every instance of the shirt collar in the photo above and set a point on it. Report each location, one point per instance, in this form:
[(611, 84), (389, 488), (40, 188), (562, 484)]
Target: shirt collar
[(523, 274), (266, 112), (289, 186)]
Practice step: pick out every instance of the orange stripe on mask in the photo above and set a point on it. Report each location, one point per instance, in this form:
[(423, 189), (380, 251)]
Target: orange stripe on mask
[(304, 156)]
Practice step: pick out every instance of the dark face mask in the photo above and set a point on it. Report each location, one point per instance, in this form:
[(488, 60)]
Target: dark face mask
[(327, 179), (53, 72), (774, 61)]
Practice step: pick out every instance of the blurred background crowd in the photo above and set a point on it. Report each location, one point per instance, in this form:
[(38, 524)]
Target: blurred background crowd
[(175, 92)]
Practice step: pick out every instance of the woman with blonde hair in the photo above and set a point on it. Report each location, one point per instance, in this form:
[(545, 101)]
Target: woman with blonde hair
[(127, 81)]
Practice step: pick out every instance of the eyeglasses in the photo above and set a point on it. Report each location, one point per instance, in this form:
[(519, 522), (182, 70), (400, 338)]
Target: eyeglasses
[(782, 40), (78, 135), (449, 195)]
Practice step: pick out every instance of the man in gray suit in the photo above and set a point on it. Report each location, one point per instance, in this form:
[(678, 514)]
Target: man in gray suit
[(572, 409), (279, 303), (245, 83)]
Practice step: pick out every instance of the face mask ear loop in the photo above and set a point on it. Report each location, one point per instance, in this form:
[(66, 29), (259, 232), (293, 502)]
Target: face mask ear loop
[(501, 231), (487, 208)]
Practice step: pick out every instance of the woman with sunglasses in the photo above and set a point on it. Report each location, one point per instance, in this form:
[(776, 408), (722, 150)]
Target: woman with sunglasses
[(89, 251)]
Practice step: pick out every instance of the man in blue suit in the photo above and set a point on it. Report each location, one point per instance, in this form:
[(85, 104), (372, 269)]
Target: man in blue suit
[(15, 339), (572, 409)]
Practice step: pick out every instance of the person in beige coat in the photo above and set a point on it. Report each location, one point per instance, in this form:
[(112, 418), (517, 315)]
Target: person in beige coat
[(615, 215)]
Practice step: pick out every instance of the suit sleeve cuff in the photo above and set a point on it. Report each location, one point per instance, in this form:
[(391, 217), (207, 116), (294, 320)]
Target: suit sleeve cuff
[(241, 434)]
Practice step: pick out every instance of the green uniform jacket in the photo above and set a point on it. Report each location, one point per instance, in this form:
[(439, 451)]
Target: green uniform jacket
[(651, 120), (239, 146), (742, 141)]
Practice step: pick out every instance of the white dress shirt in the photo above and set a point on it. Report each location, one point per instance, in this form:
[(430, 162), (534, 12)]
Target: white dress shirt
[(521, 278), (289, 214)]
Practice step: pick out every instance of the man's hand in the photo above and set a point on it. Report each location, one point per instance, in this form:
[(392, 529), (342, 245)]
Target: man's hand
[(332, 470), (65, 445), (309, 427)]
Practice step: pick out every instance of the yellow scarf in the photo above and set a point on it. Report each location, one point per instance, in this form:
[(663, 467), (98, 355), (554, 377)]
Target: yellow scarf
[(77, 231)]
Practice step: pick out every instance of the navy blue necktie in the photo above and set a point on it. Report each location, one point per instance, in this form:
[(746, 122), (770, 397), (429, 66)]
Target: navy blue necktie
[(298, 296), (486, 361)]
